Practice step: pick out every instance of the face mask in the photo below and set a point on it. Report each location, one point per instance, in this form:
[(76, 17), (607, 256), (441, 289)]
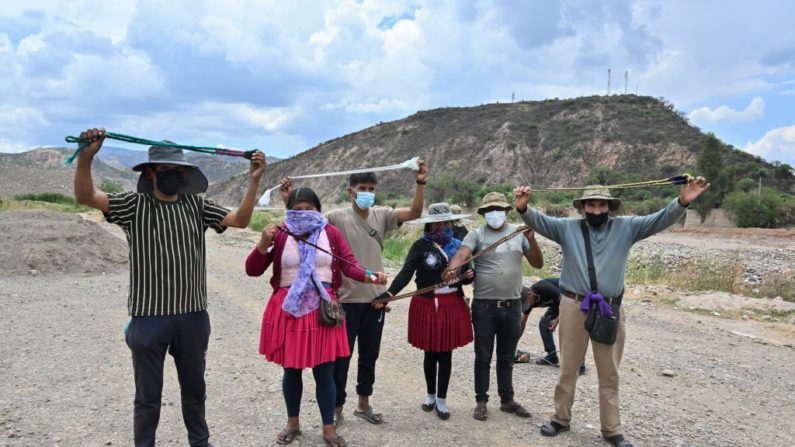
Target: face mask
[(441, 235), (495, 219), (596, 220), (364, 200), (169, 182)]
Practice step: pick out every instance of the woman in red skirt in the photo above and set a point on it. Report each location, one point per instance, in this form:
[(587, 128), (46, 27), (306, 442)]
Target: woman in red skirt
[(439, 321), (291, 333)]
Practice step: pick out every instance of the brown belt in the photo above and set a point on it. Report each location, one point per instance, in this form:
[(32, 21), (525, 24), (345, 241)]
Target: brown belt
[(580, 298)]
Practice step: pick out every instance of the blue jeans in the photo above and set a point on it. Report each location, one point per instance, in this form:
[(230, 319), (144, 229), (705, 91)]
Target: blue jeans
[(504, 323), (543, 329), (185, 337)]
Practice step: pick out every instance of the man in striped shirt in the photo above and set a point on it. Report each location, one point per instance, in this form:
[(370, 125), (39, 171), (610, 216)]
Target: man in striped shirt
[(165, 223)]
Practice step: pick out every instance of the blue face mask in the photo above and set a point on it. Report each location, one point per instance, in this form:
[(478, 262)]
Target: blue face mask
[(364, 200)]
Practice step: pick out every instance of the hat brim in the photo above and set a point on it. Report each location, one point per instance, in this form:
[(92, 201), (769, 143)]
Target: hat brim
[(502, 205), (612, 202), (194, 182), (434, 219), (140, 166)]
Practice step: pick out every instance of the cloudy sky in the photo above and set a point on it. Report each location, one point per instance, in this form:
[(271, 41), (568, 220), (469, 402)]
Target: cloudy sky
[(283, 76)]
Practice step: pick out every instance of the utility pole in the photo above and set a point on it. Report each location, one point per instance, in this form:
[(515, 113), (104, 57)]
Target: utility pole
[(759, 195), (636, 89), (626, 79), (608, 82), (513, 95)]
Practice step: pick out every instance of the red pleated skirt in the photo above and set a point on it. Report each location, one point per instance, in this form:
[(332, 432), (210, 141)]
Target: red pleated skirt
[(299, 342), (439, 330)]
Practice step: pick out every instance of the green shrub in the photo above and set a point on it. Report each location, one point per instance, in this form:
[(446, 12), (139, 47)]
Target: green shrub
[(380, 198), (576, 152), (643, 195), (568, 102), (110, 187), (556, 155), (532, 125), (49, 197), (755, 210), (343, 197), (746, 184), (511, 144)]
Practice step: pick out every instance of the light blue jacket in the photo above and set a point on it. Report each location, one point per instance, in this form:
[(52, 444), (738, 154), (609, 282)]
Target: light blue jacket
[(610, 245)]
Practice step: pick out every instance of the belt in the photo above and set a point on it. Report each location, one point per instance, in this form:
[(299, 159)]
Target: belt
[(499, 303), (579, 298)]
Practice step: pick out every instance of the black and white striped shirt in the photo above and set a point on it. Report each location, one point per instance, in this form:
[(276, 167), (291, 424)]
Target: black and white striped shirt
[(167, 254)]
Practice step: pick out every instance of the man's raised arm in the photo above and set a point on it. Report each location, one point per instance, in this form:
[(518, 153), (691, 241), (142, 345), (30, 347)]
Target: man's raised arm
[(85, 194)]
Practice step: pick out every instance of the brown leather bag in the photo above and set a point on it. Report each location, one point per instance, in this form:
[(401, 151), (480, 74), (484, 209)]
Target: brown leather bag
[(330, 313)]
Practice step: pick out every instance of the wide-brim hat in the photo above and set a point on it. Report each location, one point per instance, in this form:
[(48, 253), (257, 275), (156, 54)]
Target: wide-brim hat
[(439, 212), (494, 199), (597, 192), (194, 180)]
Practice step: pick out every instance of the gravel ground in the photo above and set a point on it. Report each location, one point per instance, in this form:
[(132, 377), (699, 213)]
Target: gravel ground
[(67, 375)]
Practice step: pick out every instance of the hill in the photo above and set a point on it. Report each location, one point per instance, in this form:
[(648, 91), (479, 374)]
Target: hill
[(42, 170), (550, 143)]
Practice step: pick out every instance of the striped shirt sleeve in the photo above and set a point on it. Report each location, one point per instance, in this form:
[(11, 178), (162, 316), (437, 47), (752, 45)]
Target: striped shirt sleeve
[(213, 215), (121, 208)]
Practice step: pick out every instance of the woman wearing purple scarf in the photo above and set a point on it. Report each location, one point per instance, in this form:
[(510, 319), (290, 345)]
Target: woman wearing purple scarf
[(291, 334), (439, 321)]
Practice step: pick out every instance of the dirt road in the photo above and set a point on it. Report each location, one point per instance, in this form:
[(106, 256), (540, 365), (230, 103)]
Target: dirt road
[(67, 378)]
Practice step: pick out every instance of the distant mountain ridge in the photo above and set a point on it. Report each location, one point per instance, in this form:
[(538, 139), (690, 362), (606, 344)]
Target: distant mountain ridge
[(550, 143), (216, 167)]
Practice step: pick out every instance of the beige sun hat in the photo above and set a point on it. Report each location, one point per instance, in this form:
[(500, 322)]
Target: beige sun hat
[(456, 209), (597, 192), (494, 199), (438, 212)]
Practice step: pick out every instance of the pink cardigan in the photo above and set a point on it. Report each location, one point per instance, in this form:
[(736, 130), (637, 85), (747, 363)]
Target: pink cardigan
[(257, 263)]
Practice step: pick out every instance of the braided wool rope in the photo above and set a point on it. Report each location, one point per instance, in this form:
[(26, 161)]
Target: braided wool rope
[(143, 141)]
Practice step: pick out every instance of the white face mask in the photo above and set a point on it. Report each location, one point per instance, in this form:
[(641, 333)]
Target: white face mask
[(495, 219)]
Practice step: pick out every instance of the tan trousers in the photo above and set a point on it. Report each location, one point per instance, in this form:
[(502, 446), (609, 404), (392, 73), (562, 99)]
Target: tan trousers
[(573, 346)]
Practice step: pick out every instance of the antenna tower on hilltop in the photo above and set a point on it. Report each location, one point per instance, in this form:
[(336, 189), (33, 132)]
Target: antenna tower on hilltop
[(626, 79), (608, 82)]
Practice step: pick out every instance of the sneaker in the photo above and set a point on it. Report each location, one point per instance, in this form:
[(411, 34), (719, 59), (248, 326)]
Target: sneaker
[(549, 360)]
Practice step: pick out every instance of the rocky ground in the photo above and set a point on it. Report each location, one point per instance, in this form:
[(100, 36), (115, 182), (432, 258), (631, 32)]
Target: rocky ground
[(687, 378)]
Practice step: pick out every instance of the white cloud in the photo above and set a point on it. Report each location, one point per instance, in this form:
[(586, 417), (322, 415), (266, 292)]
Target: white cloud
[(724, 114), (781, 141), (787, 93)]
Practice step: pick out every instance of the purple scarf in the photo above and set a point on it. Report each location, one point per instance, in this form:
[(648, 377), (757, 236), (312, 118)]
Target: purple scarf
[(302, 298), (604, 308)]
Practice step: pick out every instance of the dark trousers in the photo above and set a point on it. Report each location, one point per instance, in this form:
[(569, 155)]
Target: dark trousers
[(543, 329), (504, 324), (185, 337), (325, 393), (445, 362), (366, 323)]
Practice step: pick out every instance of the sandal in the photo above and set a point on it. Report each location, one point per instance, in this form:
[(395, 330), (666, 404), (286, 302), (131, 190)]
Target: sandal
[(335, 442), (370, 415), (516, 409), (618, 441), (283, 439), (552, 428), (481, 413), (338, 419)]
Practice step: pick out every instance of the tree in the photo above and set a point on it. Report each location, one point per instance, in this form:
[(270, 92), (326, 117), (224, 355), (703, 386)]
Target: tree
[(710, 166), (746, 184), (786, 171)]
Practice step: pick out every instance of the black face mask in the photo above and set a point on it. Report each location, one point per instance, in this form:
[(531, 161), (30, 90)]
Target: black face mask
[(594, 220), (169, 182)]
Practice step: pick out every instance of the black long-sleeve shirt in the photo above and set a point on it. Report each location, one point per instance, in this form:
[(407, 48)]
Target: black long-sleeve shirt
[(429, 263)]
